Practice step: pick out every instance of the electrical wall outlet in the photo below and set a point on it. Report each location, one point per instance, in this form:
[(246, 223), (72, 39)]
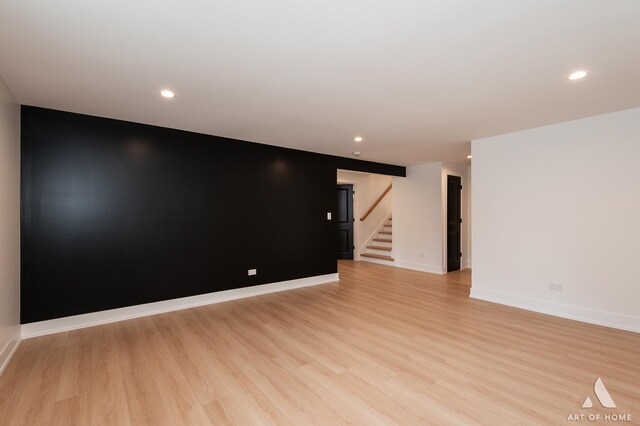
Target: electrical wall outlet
[(252, 272), (555, 286), (328, 215)]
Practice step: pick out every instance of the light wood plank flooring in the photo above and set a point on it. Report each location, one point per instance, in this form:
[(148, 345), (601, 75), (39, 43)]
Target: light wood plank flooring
[(384, 346)]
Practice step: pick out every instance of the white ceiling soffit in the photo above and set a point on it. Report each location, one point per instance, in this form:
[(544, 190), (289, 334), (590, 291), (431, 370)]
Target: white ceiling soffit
[(417, 79)]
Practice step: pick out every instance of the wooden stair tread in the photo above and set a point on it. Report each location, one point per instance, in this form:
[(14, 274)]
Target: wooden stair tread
[(388, 226), (383, 240), (379, 248), (385, 232), (378, 256)]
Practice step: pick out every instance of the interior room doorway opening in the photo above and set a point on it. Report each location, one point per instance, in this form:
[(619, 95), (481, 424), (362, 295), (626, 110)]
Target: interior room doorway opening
[(454, 222)]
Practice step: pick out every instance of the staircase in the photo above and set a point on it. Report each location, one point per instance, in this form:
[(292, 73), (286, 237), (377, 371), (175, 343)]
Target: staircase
[(379, 251)]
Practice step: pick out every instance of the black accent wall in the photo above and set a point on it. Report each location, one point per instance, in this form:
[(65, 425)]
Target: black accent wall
[(117, 214)]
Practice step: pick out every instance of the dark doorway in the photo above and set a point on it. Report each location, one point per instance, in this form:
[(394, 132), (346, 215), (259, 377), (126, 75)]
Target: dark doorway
[(344, 219), (454, 221)]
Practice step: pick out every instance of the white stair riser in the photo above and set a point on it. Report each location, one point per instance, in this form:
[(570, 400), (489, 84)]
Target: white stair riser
[(382, 252), (378, 261), (381, 243)]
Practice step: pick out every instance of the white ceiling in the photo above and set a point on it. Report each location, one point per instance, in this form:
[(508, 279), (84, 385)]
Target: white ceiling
[(417, 79)]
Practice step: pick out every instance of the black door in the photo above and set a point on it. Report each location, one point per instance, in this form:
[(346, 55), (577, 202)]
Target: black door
[(454, 221), (344, 219)]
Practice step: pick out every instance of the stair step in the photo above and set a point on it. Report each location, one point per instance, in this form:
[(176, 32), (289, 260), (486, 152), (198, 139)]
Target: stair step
[(379, 248), (377, 256), (388, 226), (385, 232), (383, 240)]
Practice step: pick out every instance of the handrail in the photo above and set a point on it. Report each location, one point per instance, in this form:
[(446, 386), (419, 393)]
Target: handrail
[(386, 191)]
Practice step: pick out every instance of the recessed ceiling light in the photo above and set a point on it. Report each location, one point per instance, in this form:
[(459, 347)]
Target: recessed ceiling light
[(468, 156), (167, 93), (578, 75), (358, 139), (356, 153)]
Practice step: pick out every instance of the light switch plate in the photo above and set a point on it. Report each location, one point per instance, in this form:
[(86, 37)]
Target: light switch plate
[(328, 215), (253, 272)]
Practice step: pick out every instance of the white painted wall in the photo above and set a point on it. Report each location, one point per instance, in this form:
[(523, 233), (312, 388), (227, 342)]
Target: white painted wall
[(417, 218), (561, 204), (463, 170), (368, 187), (470, 216), (9, 224)]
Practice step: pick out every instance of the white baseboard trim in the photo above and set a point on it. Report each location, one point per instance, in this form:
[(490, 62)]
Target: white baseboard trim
[(9, 349), (577, 313), (420, 267), (75, 322)]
